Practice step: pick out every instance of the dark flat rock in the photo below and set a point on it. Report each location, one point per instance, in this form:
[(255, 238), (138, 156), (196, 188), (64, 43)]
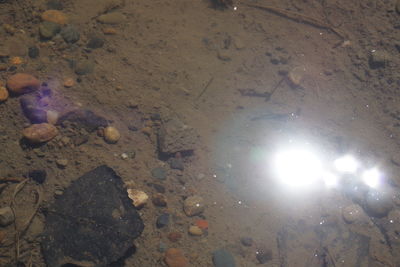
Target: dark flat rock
[(92, 224)]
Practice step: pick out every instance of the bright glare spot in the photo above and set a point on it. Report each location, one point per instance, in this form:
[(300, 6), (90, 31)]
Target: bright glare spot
[(372, 177), (346, 164), (297, 167), (330, 179)]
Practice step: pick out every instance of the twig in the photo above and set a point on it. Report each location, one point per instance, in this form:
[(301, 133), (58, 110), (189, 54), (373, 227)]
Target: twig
[(299, 18), (19, 232), (11, 179), (205, 88)]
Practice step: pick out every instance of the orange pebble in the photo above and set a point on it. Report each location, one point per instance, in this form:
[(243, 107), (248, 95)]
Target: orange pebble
[(69, 82), (3, 94), (110, 31), (16, 60), (202, 224)]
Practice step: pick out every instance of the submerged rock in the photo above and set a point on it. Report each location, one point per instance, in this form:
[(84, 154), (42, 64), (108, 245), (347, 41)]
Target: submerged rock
[(93, 223), (223, 258)]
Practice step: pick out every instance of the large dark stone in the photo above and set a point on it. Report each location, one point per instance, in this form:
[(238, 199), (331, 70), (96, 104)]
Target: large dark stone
[(85, 119), (92, 224)]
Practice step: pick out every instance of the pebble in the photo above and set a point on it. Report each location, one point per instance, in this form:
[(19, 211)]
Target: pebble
[(112, 18), (159, 200), (195, 230), (296, 76), (174, 258), (378, 204), (109, 31), (176, 163), (39, 133), (352, 213), (33, 52), (55, 16), (95, 42), (84, 67), (159, 173), (6, 216), (193, 205), (162, 220), (16, 61), (139, 198), (378, 59), (246, 241), (48, 30), (239, 45), (62, 163), (52, 116), (174, 236), (224, 55), (202, 224), (263, 256), (68, 82), (111, 134), (54, 4), (3, 94), (162, 247), (223, 258), (38, 176), (70, 34), (20, 83)]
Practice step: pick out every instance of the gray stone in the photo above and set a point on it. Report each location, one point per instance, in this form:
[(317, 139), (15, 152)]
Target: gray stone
[(174, 136), (379, 59), (193, 205), (84, 67), (159, 173), (92, 224), (223, 258), (112, 18), (6, 216), (70, 34), (378, 204), (49, 29), (83, 119), (95, 42), (176, 163)]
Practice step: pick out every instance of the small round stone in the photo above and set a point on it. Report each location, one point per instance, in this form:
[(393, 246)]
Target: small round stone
[(52, 116), (6, 216), (55, 16), (174, 236), (174, 258), (352, 213), (195, 230), (246, 241), (69, 82), (159, 200), (22, 83), (193, 205), (33, 52), (40, 133), (111, 135), (162, 220), (70, 34), (3, 94), (378, 204)]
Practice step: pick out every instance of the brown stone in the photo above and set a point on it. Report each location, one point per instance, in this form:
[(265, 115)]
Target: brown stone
[(174, 236), (3, 94), (20, 83), (39, 133), (159, 200), (109, 31), (69, 82), (175, 258), (55, 16)]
